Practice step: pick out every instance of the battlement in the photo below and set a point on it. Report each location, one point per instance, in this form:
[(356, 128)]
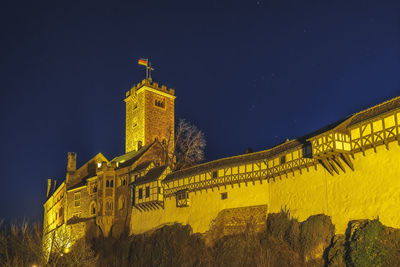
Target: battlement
[(152, 85)]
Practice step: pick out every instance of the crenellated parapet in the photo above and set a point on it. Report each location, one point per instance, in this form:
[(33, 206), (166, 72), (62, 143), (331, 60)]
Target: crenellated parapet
[(153, 85)]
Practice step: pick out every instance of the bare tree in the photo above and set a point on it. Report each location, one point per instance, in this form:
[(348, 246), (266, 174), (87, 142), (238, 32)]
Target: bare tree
[(188, 148)]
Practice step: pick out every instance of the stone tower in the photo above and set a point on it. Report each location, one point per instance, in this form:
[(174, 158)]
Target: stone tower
[(150, 112)]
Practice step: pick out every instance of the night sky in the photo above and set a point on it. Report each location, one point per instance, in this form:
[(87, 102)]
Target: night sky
[(247, 73)]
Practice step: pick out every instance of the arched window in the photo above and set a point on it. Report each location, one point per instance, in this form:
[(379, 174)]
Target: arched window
[(109, 205), (112, 183), (93, 208), (107, 183), (121, 202)]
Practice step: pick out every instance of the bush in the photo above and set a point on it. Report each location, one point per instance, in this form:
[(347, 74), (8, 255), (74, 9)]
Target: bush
[(281, 226), (21, 244), (366, 245)]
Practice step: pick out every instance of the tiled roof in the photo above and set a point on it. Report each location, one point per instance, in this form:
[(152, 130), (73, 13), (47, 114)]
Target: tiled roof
[(151, 175), (81, 183), (130, 157), (142, 166), (216, 164), (375, 110)]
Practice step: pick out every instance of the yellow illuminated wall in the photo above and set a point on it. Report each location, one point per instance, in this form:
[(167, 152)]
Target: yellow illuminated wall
[(372, 190)]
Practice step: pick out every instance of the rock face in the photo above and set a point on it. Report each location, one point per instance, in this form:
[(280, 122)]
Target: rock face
[(336, 254), (236, 221), (315, 236), (283, 242)]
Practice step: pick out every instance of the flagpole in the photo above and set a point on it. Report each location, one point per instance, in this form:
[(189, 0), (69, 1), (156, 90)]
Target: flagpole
[(149, 71)]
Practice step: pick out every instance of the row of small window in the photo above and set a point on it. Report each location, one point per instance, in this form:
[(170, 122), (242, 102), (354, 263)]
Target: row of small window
[(307, 153), (147, 192), (109, 205), (159, 103)]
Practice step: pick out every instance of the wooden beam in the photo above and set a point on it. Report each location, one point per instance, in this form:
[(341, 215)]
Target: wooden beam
[(333, 165), (347, 160), (336, 160), (326, 165)]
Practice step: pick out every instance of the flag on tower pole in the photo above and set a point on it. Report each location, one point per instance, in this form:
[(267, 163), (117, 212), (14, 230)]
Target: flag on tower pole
[(143, 61)]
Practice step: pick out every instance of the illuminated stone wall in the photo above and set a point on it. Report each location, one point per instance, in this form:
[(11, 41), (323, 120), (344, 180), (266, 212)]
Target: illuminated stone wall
[(371, 191), (203, 208), (149, 115)]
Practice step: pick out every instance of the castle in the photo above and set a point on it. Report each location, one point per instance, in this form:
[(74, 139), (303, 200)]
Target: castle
[(348, 170)]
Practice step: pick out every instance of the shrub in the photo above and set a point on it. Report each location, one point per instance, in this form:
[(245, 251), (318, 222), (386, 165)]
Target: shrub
[(281, 226), (366, 244)]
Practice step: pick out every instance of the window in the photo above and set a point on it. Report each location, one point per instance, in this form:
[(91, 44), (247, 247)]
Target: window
[(121, 202), (307, 150), (182, 199), (140, 193), (77, 199), (147, 191), (159, 103), (283, 159), (109, 205), (110, 183), (93, 208), (93, 187), (215, 174), (224, 195)]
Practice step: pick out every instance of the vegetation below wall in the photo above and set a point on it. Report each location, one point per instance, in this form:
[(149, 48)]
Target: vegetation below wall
[(283, 242)]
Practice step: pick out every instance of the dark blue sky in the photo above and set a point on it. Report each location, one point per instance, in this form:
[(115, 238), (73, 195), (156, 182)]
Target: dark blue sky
[(247, 73)]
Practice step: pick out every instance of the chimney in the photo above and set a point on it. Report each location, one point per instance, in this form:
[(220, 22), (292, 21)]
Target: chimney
[(48, 187), (71, 165)]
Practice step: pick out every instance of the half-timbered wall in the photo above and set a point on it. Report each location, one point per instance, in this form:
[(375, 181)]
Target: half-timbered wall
[(375, 132), (155, 192)]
